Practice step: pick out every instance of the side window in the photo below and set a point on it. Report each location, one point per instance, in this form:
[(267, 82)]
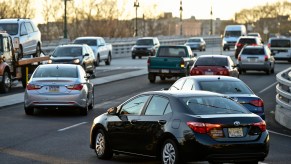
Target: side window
[(134, 106), (177, 85), (102, 41), (29, 27), (23, 30), (157, 106), (188, 85), (5, 44)]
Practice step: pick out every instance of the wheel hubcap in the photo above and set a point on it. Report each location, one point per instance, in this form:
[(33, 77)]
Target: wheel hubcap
[(7, 81), (169, 154), (100, 144)]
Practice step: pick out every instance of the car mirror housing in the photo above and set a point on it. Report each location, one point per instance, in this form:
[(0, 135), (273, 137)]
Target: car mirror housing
[(112, 110)]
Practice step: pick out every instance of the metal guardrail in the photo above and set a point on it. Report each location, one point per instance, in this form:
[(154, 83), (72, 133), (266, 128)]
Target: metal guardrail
[(122, 47), (283, 98)]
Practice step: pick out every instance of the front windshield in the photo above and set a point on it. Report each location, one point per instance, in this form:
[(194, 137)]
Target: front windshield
[(145, 42), (232, 33), (89, 42), (194, 40), (10, 28), (225, 87), (208, 105), (68, 52)]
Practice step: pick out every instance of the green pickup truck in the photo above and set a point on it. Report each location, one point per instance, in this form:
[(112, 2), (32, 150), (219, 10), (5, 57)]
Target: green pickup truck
[(170, 61)]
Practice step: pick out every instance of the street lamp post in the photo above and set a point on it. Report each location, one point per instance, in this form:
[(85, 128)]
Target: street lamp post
[(65, 20), (211, 24), (181, 10), (136, 5)]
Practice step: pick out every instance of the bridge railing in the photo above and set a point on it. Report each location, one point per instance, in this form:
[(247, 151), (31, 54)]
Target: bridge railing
[(283, 98), (122, 47)]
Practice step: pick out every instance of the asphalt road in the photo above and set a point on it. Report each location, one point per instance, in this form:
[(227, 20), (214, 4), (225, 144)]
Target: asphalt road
[(63, 136)]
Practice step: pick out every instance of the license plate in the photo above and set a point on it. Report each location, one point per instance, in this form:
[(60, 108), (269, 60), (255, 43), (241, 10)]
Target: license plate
[(235, 132), (165, 71), (208, 73), (54, 89), (252, 60)]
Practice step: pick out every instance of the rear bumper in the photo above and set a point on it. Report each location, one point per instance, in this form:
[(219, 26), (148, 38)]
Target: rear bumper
[(142, 53), (168, 72), (260, 67)]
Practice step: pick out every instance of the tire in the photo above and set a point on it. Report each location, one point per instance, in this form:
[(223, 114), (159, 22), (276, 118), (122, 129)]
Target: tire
[(5, 85), (102, 148), (268, 72), (273, 70), (108, 61), (139, 57), (170, 152), (84, 111), (91, 105), (37, 51), (29, 111), (20, 53), (97, 61), (152, 78), (162, 78)]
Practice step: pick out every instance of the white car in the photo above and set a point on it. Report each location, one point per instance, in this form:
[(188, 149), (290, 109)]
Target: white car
[(25, 35)]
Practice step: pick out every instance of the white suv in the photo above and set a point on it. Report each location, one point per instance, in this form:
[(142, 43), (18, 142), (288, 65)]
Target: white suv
[(25, 34)]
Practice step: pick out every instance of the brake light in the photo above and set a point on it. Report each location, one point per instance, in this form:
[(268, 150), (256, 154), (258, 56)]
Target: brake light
[(149, 61), (239, 58), (238, 45), (195, 71), (203, 128), (224, 72), (262, 125), (75, 87), (33, 87), (269, 45), (257, 103), (266, 58)]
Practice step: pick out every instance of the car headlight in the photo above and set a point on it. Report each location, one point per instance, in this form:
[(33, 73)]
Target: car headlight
[(49, 62), (76, 61)]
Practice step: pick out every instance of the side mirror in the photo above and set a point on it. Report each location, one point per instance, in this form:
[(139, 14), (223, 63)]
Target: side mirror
[(86, 54), (194, 54), (112, 110)]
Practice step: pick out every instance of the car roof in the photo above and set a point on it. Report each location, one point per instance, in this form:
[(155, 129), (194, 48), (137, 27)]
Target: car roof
[(88, 37), (212, 78), (248, 37), (173, 46), (184, 93), (215, 55), (12, 20), (73, 45), (59, 65), (147, 38), (254, 46)]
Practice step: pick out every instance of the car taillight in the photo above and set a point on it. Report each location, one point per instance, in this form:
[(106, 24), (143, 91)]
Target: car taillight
[(257, 103), (262, 125), (75, 87), (195, 71), (203, 128), (224, 72), (269, 45), (182, 64), (149, 61), (239, 58), (238, 44), (33, 87), (266, 58)]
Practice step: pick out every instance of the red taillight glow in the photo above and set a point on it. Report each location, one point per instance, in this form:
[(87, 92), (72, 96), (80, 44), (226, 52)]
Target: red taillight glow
[(149, 61), (238, 45), (269, 45), (262, 125), (75, 87), (202, 128), (239, 58), (195, 71), (257, 103), (224, 72), (266, 58), (32, 87)]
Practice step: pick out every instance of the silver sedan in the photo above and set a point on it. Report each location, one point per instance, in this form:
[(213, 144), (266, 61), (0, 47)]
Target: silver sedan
[(59, 86)]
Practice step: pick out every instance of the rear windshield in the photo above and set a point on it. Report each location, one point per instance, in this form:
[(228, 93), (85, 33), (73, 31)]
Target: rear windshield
[(89, 42), (67, 52), (145, 42), (56, 72), (10, 28), (208, 105), (247, 41), (172, 52), (280, 43), (211, 61), (253, 51), (225, 87)]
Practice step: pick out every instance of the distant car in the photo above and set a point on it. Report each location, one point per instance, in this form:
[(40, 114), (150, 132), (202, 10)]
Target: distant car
[(80, 54), (246, 40), (196, 43), (258, 58), (102, 50), (25, 35), (145, 46), (230, 86), (214, 65), (255, 34), (177, 127), (59, 86), (281, 48)]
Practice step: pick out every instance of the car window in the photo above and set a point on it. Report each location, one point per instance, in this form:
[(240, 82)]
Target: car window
[(10, 28), (67, 52), (145, 42), (247, 41), (208, 105), (194, 40), (23, 30), (281, 43), (188, 85), (29, 27), (177, 85), (157, 106), (225, 87), (172, 51), (211, 61), (56, 72), (253, 51), (89, 42), (134, 106)]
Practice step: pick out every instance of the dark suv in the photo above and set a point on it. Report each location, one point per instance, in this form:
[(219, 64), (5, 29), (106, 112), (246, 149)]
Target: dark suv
[(146, 46), (246, 40)]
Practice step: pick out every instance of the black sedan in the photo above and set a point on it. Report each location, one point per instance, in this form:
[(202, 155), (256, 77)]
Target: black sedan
[(178, 126)]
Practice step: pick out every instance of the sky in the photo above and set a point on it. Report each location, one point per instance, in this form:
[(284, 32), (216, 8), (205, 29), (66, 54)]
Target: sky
[(223, 9)]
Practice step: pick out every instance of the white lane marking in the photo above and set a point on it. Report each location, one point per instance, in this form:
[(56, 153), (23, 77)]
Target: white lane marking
[(268, 87), (281, 134), (72, 126)]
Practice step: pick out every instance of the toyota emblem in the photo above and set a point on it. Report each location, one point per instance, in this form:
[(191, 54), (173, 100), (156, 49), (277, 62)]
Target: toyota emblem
[(236, 123)]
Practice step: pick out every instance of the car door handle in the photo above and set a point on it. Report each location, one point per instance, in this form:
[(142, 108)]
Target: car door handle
[(162, 122)]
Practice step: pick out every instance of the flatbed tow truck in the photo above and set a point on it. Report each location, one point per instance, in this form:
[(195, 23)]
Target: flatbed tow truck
[(13, 69)]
